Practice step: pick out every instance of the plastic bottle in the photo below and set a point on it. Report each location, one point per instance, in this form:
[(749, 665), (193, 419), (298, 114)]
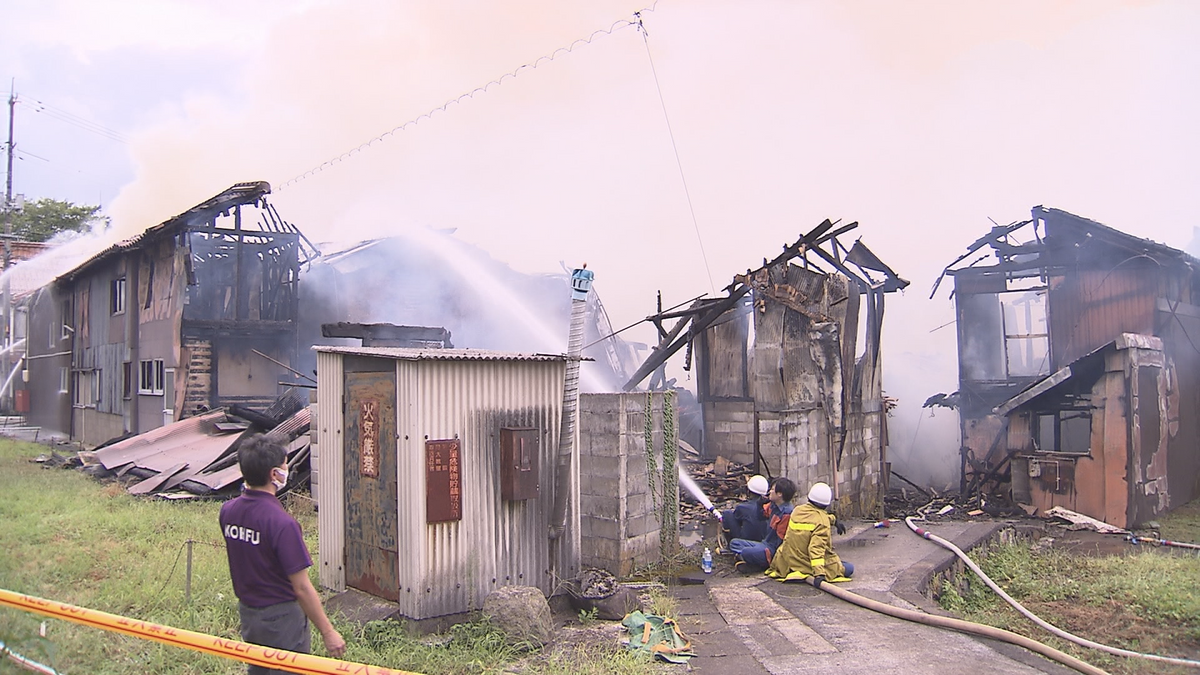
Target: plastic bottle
[(706, 561)]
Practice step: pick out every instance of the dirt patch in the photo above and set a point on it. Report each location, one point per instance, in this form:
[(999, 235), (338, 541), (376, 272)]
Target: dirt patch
[(1115, 625), (1089, 542)]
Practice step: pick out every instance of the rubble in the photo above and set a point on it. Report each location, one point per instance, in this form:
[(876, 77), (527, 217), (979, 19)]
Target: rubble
[(197, 456)]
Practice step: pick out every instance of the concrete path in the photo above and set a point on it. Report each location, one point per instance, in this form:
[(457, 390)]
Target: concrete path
[(754, 625)]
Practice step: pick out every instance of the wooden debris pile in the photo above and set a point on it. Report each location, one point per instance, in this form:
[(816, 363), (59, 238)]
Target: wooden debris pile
[(909, 500), (722, 481)]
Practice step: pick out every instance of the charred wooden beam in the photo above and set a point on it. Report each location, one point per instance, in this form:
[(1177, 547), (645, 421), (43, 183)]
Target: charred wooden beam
[(388, 335), (665, 349)]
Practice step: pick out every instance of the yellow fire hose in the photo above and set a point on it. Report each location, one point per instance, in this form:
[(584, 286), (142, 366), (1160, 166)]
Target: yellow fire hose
[(267, 657)]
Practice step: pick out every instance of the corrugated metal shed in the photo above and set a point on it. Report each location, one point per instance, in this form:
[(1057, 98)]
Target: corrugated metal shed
[(436, 569), (411, 354)]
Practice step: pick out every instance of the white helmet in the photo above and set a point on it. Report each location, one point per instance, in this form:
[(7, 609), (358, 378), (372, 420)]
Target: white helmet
[(820, 494), (758, 485)]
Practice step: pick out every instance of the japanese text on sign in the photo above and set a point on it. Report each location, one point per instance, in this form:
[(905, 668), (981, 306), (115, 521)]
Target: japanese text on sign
[(443, 484), (368, 438)]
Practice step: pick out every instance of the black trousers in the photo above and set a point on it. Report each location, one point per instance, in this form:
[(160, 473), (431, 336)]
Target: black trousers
[(282, 626)]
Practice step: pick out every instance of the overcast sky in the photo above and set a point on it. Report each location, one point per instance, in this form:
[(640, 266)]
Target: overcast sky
[(919, 120)]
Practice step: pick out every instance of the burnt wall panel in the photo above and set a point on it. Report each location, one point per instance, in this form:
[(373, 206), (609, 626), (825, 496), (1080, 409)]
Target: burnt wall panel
[(1090, 308), (241, 375), (766, 379), (1181, 337), (725, 367), (1150, 488)]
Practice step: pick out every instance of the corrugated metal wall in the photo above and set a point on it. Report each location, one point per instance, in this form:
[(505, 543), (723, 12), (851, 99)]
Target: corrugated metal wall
[(331, 515), (496, 543), (448, 568)]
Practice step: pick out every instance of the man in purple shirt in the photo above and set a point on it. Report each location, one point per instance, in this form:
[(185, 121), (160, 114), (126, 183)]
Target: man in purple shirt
[(268, 560)]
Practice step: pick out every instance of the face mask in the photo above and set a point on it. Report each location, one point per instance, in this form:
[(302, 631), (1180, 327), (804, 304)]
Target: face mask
[(282, 479)]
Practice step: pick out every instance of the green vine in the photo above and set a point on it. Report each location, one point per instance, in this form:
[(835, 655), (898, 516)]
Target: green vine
[(669, 531), (651, 465)]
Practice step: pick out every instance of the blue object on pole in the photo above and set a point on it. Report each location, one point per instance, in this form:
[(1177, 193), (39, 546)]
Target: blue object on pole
[(581, 283)]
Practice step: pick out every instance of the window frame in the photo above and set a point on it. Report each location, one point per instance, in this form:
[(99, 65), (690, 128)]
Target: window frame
[(150, 377), (117, 299)]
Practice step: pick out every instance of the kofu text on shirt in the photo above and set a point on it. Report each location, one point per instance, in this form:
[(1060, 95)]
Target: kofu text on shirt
[(239, 533)]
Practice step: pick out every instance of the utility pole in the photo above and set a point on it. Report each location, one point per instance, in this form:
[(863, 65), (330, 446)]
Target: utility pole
[(8, 209)]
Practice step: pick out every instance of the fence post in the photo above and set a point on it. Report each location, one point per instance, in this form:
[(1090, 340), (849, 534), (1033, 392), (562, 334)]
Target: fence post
[(187, 589)]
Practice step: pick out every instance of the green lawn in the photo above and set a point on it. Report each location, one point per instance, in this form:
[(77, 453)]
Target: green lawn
[(1145, 601), (70, 538)]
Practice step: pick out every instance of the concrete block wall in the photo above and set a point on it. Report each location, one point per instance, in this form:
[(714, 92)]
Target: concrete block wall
[(860, 478), (620, 519), (729, 430)]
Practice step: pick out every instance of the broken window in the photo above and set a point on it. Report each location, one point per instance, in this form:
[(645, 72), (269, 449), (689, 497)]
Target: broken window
[(981, 353), (1067, 431), (1026, 338), (87, 389), (66, 320), (1003, 335)]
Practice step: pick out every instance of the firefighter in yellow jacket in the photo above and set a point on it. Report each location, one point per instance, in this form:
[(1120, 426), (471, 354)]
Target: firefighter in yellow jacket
[(807, 549)]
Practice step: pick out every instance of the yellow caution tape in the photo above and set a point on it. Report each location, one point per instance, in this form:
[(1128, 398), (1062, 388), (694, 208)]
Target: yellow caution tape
[(267, 657)]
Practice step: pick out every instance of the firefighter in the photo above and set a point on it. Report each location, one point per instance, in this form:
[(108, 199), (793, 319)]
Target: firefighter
[(807, 550), (750, 518)]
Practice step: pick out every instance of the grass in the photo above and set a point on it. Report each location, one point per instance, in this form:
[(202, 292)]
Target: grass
[(1148, 601), (69, 538), (1182, 524)]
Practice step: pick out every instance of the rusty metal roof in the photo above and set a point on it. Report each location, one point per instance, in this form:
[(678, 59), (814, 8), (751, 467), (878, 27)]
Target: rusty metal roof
[(413, 354), (153, 441), (239, 193)]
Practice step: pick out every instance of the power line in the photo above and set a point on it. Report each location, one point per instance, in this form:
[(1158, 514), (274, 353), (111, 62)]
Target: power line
[(73, 119), (78, 118), (675, 147), (616, 26)]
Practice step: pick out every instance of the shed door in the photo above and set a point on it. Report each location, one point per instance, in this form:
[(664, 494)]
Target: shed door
[(371, 507)]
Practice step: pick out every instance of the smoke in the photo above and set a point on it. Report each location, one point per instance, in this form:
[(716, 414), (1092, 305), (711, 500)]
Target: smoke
[(429, 278), (920, 120)]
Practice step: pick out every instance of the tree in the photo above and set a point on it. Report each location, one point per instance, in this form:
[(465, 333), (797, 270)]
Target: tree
[(44, 218)]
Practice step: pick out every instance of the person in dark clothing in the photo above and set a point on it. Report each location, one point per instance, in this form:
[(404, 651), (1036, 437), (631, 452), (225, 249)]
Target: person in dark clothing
[(749, 519), (756, 555), (268, 560)]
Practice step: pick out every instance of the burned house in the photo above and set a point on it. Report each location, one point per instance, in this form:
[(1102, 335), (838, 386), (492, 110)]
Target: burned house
[(1077, 354), (781, 378), (197, 312)]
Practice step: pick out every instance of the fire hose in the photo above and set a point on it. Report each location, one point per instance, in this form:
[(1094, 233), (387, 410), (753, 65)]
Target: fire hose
[(25, 662), (961, 626), (266, 657), (1084, 642)]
